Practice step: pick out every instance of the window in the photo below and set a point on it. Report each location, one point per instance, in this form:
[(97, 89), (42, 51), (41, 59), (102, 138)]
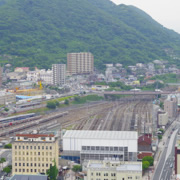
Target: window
[(19, 170), (38, 153), (15, 152), (27, 170), (34, 147), (27, 147), (23, 164), (15, 164), (91, 174), (39, 165), (19, 164), (19, 158), (31, 164), (42, 147), (23, 170), (15, 170), (46, 147), (50, 153), (31, 170), (130, 177), (23, 147), (30, 147), (19, 152), (27, 153), (46, 165), (27, 164), (38, 147), (46, 153), (34, 153), (35, 170), (43, 153), (19, 147), (50, 147), (35, 164)]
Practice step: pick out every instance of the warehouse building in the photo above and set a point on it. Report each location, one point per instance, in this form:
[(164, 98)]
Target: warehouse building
[(100, 145)]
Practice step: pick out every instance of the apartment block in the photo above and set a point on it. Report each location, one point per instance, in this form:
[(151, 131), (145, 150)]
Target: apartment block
[(162, 118), (114, 170), (7, 97), (0, 76), (80, 63), (34, 153), (170, 106), (59, 74)]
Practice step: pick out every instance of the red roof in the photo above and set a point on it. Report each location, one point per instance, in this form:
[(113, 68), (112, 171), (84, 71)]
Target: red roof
[(145, 138), (143, 154), (34, 135)]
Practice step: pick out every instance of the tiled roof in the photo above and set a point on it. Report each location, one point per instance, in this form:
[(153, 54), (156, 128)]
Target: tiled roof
[(143, 154), (34, 135), (144, 138)]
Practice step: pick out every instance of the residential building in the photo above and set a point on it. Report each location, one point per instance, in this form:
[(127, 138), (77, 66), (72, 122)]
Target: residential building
[(170, 106), (80, 63), (21, 69), (114, 170), (177, 156), (58, 74), (99, 145), (162, 118), (34, 153), (144, 143), (7, 97), (46, 76)]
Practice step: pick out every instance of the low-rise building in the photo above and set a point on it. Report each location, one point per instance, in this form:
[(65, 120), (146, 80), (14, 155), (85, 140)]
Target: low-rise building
[(177, 157), (21, 69), (170, 106), (34, 153), (7, 97), (114, 170)]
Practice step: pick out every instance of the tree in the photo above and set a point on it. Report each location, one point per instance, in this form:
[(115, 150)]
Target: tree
[(2, 160), (149, 159), (7, 169), (159, 136), (145, 165), (57, 103), (51, 105), (8, 146), (53, 172), (66, 102), (77, 168)]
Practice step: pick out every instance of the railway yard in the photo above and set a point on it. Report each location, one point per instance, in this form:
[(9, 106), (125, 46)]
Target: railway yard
[(125, 115)]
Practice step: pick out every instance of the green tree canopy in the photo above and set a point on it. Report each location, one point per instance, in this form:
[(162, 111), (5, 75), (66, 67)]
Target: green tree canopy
[(149, 159), (145, 165), (77, 168), (53, 172)]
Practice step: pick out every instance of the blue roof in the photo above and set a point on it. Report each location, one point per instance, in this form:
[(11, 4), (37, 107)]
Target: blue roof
[(23, 97)]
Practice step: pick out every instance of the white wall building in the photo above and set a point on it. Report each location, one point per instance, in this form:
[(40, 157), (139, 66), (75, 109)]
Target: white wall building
[(59, 74), (99, 145)]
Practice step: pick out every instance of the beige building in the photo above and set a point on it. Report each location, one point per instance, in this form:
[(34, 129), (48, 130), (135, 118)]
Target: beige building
[(162, 118), (1, 76), (34, 153), (7, 97), (114, 170), (170, 106), (80, 63)]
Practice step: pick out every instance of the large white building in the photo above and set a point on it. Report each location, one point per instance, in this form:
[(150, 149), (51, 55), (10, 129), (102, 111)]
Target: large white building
[(100, 145), (7, 97), (59, 74)]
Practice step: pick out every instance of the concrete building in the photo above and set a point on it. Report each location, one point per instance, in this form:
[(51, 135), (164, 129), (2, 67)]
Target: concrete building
[(21, 69), (162, 119), (177, 156), (34, 153), (99, 145), (58, 74), (0, 76), (7, 97), (170, 106), (29, 177), (80, 63), (114, 170)]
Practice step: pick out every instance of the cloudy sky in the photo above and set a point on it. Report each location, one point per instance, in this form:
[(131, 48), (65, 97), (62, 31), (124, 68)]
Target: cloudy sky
[(166, 12)]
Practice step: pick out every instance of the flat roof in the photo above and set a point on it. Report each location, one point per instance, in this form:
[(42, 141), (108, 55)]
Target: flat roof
[(129, 167), (112, 135), (34, 135)]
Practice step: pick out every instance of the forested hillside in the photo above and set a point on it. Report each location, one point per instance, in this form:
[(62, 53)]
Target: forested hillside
[(42, 32)]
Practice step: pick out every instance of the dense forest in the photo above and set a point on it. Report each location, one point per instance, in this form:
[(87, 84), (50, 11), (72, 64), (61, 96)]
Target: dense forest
[(42, 32)]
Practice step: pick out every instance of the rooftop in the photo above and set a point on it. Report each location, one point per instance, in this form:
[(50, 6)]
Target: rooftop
[(34, 135), (29, 177), (112, 135)]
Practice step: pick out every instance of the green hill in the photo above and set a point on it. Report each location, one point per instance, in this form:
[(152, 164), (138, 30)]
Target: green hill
[(42, 32)]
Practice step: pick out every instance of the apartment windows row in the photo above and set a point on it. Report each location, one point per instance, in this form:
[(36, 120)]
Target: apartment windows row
[(33, 153), (105, 174), (104, 148), (33, 164), (31, 170), (33, 159), (34, 147)]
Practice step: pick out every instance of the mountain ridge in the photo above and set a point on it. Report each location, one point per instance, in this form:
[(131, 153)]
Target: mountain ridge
[(40, 33)]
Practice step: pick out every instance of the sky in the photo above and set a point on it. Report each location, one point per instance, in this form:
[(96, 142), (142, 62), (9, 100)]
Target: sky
[(166, 12)]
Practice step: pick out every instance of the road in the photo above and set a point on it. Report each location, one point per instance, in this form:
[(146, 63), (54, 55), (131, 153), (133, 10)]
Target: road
[(164, 168)]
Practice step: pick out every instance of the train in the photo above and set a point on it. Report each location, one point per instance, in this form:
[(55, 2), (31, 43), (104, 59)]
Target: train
[(16, 118), (30, 125)]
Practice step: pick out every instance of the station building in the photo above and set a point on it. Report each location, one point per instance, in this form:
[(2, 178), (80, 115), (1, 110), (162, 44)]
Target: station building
[(81, 145)]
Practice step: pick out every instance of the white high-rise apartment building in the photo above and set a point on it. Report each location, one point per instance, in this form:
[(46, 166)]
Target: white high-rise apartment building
[(80, 63), (59, 74)]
